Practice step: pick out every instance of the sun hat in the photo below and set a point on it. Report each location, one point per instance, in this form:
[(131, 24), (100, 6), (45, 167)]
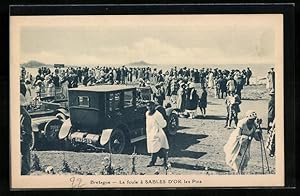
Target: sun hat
[(251, 114)]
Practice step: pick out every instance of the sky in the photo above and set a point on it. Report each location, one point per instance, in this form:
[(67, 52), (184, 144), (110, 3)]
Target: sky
[(169, 39)]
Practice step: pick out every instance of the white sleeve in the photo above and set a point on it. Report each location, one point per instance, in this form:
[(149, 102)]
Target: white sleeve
[(160, 120)]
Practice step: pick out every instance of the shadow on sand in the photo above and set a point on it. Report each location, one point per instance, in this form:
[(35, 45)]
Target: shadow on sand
[(183, 127), (195, 167), (211, 117), (178, 145)]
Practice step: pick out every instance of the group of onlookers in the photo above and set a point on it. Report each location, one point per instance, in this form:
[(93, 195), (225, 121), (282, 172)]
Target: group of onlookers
[(178, 86)]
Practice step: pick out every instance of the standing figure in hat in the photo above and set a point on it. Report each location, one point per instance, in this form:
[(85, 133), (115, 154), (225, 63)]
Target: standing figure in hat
[(203, 102), (192, 100), (159, 95), (157, 142), (237, 148), (181, 98), (38, 93), (271, 80), (248, 75), (232, 102), (25, 134), (271, 109)]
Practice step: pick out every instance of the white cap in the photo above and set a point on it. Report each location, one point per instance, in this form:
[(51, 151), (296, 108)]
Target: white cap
[(251, 114)]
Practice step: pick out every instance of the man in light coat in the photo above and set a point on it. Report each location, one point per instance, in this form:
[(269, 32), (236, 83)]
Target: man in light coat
[(157, 142)]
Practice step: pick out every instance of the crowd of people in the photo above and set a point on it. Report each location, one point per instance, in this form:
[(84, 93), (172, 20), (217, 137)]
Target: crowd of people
[(174, 83), (178, 86)]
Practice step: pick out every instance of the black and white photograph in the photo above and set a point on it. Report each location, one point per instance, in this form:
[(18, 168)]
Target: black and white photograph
[(118, 101)]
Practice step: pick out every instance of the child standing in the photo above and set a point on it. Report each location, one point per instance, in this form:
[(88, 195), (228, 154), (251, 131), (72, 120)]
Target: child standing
[(203, 102), (232, 102)]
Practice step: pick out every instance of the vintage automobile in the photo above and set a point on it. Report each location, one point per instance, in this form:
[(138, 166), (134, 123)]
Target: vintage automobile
[(109, 117), (47, 118)]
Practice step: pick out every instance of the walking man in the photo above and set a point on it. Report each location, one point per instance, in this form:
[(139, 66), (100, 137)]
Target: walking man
[(157, 142)]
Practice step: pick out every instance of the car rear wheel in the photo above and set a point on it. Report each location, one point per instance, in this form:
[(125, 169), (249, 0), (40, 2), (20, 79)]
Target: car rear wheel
[(173, 124), (117, 141)]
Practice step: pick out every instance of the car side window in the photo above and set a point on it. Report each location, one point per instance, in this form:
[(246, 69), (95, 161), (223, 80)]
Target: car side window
[(114, 101), (84, 101), (128, 99)]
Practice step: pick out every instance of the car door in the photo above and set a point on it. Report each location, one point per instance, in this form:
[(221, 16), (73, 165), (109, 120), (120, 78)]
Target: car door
[(135, 116)]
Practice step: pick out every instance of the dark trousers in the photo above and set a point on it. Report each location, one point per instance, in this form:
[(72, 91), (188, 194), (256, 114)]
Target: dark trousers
[(231, 115), (162, 153), (25, 159)]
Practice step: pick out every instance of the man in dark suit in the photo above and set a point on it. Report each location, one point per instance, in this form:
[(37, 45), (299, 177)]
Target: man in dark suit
[(25, 134)]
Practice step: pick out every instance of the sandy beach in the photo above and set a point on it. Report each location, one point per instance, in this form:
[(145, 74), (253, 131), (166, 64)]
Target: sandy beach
[(197, 148)]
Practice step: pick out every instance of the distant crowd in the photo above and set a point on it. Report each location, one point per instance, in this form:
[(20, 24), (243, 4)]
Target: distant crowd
[(176, 85), (185, 88), (72, 77)]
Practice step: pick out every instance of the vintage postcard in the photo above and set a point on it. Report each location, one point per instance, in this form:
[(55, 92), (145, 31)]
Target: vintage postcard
[(140, 101)]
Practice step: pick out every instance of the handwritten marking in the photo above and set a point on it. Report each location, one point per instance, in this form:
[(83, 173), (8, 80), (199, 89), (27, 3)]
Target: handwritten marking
[(76, 182)]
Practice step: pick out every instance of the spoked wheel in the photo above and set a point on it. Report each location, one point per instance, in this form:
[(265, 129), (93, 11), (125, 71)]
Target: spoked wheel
[(173, 124), (117, 141), (52, 129)]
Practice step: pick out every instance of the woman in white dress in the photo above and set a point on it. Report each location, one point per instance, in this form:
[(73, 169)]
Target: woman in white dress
[(157, 142), (237, 149), (181, 98), (210, 80)]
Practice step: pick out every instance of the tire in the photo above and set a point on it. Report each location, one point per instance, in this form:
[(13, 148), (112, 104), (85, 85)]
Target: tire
[(117, 142), (52, 129), (173, 124)]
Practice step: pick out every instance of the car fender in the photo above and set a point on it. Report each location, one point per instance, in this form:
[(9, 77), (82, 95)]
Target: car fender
[(63, 111), (65, 129), (38, 124), (105, 136), (35, 127)]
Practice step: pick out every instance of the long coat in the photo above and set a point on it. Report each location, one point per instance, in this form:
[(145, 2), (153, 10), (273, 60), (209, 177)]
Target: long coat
[(156, 137), (192, 99), (238, 145), (203, 100)]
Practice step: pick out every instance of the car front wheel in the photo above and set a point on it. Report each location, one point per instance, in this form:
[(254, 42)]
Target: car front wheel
[(117, 141)]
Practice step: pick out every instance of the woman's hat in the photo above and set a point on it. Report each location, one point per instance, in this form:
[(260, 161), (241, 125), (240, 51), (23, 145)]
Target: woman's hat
[(251, 114)]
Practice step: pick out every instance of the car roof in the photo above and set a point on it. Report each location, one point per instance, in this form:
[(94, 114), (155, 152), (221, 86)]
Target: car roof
[(102, 88)]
